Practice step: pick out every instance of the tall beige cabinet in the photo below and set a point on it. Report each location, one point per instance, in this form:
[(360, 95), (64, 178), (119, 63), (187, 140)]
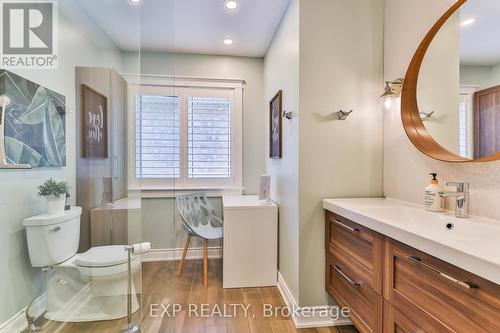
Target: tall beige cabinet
[(90, 171)]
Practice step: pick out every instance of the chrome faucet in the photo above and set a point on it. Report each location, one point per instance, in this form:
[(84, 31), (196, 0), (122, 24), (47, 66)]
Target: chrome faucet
[(462, 198)]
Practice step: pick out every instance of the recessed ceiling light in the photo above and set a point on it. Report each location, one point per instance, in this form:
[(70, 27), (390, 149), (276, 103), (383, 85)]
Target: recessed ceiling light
[(135, 2), (231, 4), (468, 21), (228, 41)]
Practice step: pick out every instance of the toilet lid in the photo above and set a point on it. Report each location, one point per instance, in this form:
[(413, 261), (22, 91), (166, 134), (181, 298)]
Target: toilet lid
[(103, 256)]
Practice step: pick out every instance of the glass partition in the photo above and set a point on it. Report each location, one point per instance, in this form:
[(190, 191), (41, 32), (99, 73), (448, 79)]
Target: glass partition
[(126, 106), (65, 125)]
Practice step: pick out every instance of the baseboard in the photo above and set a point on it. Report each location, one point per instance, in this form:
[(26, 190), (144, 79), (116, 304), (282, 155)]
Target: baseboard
[(18, 322), (314, 317), (176, 254)]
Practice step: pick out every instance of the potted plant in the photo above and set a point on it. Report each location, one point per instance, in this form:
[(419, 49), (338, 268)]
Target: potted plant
[(55, 194)]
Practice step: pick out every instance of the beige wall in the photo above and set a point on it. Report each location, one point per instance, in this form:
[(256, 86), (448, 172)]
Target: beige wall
[(405, 169), (324, 157), (476, 76), (338, 70), (438, 85), (282, 73), (249, 69), (481, 76)]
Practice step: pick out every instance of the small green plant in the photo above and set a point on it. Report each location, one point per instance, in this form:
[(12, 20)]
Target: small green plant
[(53, 190)]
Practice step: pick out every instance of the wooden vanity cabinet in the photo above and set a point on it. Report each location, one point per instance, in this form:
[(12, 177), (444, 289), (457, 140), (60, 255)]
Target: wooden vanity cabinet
[(108, 228), (354, 271), (415, 281), (348, 285), (391, 287), (116, 225), (402, 321), (359, 245)]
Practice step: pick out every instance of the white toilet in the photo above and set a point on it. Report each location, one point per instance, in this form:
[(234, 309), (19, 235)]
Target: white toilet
[(90, 286)]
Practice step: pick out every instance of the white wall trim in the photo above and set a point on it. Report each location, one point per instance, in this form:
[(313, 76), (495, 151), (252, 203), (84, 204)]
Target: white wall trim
[(210, 191), (183, 89), (193, 253), (18, 323), (310, 321), (180, 81)]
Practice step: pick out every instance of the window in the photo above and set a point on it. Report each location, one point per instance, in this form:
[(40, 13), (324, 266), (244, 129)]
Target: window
[(157, 137), (209, 137), (465, 121), (463, 127), (187, 135)]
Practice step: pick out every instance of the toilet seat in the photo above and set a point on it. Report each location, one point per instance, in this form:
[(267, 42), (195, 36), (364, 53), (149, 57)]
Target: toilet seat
[(106, 262), (103, 256)]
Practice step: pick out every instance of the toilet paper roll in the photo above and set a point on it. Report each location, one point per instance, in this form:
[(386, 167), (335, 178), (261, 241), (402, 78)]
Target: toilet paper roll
[(141, 248)]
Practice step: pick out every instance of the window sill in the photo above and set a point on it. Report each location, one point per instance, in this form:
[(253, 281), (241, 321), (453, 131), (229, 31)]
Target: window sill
[(165, 192)]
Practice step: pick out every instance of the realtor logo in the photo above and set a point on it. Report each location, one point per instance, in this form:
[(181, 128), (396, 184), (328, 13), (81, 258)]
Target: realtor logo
[(29, 34)]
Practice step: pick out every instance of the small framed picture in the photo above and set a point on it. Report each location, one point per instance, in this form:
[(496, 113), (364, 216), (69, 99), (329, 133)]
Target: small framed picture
[(275, 122), (94, 124)]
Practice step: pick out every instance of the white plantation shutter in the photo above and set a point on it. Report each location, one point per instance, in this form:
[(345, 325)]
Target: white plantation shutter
[(188, 134), (462, 129), (157, 137), (209, 137)]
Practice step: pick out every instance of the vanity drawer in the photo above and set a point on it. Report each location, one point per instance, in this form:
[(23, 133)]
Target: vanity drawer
[(462, 301), (396, 321), (345, 238), (348, 285)]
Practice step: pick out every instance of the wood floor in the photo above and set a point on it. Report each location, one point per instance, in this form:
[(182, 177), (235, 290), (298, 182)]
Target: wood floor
[(161, 286)]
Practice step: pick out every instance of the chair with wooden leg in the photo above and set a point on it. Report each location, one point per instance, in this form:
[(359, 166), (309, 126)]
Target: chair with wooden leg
[(199, 219)]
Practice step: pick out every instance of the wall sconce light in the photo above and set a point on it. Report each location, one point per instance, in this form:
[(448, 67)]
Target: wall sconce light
[(393, 90)]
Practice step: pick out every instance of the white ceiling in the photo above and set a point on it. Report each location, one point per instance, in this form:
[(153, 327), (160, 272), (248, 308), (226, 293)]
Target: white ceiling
[(480, 42), (194, 26)]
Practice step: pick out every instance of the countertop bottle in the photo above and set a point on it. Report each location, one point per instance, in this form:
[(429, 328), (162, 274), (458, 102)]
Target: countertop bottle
[(433, 201)]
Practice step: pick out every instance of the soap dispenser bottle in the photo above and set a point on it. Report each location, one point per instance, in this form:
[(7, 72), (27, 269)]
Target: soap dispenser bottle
[(433, 201)]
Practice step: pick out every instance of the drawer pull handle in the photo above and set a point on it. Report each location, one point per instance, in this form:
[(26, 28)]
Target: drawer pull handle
[(468, 285), (348, 279), (346, 226)]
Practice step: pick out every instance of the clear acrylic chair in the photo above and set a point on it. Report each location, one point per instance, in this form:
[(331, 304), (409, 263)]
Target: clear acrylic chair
[(199, 219)]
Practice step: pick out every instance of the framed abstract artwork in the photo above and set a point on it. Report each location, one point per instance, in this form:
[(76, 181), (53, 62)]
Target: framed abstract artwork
[(35, 123), (275, 123), (94, 124)]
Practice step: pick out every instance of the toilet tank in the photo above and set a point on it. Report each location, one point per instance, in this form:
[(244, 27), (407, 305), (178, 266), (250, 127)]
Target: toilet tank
[(53, 239)]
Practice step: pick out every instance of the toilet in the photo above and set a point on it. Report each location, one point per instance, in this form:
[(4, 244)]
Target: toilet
[(90, 286)]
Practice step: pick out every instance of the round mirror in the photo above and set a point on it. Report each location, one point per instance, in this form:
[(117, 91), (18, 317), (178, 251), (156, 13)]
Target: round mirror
[(451, 98)]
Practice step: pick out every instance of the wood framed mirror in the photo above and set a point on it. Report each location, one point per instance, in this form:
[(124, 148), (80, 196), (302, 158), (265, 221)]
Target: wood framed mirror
[(453, 78)]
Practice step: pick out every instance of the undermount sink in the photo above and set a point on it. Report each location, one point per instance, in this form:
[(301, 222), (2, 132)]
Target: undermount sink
[(470, 243), (444, 225)]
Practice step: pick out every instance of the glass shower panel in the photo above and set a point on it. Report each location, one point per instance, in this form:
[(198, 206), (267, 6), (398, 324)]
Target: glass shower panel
[(159, 165), (67, 121)]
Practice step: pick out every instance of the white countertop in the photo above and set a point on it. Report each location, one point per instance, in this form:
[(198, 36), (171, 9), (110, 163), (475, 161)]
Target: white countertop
[(125, 204), (245, 202), (473, 244)]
